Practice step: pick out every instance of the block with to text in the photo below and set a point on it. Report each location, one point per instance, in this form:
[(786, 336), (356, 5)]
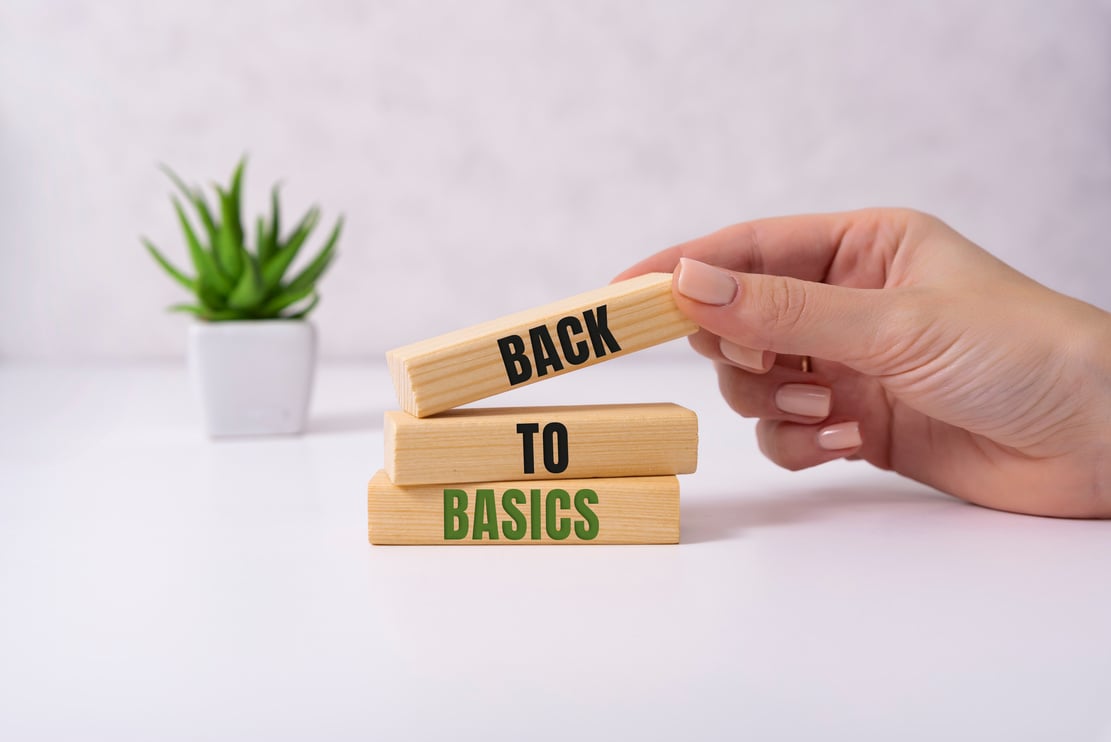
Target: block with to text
[(558, 442)]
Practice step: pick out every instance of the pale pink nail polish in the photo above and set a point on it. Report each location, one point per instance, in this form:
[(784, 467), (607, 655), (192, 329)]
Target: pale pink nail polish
[(747, 358), (840, 436), (809, 400), (705, 283)]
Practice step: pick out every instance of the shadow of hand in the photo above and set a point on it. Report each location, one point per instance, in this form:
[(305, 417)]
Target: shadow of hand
[(729, 515)]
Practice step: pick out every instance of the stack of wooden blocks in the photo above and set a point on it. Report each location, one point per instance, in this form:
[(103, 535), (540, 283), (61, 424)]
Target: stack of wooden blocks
[(602, 474)]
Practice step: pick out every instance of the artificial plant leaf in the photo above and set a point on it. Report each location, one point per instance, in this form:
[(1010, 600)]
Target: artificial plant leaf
[(276, 267), (208, 274), (196, 198), (275, 214), (229, 238), (216, 315), (237, 178), (308, 277), (189, 308), (249, 291), (285, 299), (177, 181), (302, 231), (235, 194), (273, 235), (304, 312), (211, 298), (189, 284), (210, 226), (260, 236)]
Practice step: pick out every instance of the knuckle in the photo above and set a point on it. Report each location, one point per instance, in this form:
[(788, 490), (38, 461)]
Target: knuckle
[(782, 304), (902, 332), (895, 215)]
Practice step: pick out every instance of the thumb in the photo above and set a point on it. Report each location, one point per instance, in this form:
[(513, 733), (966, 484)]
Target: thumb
[(782, 314)]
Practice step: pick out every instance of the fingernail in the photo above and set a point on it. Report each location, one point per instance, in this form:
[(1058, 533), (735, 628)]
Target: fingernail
[(839, 436), (705, 283), (808, 400), (750, 358)]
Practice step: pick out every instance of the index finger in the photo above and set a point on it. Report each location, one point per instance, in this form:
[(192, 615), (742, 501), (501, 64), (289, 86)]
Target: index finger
[(801, 246)]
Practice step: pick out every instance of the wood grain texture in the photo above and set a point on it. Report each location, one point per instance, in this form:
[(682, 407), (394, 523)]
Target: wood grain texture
[(467, 365), (473, 445), (627, 510)]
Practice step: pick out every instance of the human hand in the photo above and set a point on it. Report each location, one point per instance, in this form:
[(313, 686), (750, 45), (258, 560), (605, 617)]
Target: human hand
[(929, 356)]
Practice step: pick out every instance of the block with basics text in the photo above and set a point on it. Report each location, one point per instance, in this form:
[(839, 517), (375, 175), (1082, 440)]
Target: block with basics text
[(613, 510)]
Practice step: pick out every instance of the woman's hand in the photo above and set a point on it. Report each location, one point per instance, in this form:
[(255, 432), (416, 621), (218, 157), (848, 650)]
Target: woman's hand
[(929, 356)]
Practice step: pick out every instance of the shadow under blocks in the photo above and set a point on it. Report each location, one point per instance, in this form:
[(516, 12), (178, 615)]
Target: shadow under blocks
[(727, 515)]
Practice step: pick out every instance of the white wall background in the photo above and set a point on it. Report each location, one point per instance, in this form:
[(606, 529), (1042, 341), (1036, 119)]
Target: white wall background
[(491, 155)]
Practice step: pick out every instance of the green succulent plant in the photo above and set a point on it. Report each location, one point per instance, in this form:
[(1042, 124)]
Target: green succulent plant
[(232, 282)]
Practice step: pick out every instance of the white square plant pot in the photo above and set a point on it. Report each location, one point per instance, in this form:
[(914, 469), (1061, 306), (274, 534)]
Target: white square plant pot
[(253, 377)]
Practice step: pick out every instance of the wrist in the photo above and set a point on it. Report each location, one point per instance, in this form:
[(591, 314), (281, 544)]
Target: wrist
[(1098, 369)]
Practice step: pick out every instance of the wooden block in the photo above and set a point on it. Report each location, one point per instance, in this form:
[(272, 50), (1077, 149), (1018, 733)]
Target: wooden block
[(618, 510), (526, 443), (470, 364)]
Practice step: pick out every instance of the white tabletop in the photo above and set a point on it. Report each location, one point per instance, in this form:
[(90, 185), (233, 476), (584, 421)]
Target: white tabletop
[(155, 585)]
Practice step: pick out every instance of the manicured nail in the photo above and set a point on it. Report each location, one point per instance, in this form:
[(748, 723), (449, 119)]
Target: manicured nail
[(808, 400), (749, 358), (839, 436), (705, 283)]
